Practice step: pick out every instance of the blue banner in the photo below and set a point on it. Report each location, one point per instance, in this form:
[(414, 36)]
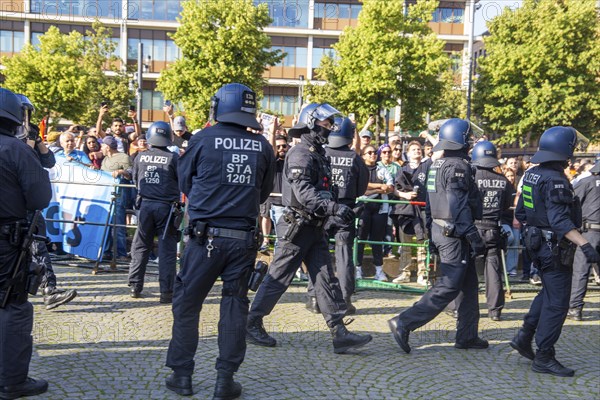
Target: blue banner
[(75, 196)]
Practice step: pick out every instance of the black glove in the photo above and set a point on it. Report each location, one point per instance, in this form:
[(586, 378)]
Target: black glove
[(344, 213), (33, 132), (590, 253), (477, 244), (432, 249)]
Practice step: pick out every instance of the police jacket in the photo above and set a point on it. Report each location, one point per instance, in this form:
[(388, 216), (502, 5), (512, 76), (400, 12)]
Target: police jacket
[(307, 179), (588, 191), (495, 193), (547, 200), (154, 173), (47, 160), (226, 172), (349, 174), (25, 184), (452, 194)]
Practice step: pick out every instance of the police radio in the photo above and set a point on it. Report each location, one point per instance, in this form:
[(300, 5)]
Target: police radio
[(257, 275)]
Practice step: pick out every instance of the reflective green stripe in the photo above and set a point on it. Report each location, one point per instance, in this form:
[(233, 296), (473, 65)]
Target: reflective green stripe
[(431, 180), (527, 197)]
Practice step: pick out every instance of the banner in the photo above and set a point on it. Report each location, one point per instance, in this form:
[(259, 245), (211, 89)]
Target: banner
[(82, 199)]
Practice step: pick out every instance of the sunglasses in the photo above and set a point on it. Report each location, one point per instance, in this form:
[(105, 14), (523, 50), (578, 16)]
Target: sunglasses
[(282, 146), (397, 149), (386, 152), (369, 152)]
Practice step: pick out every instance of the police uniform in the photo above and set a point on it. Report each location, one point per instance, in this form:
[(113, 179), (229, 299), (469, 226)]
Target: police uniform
[(27, 186), (588, 191), (550, 212), (155, 176), (350, 177), (306, 192), (452, 207), (226, 172)]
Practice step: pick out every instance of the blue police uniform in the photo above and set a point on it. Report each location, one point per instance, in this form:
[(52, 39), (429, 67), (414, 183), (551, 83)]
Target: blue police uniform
[(226, 172), (27, 186), (588, 191), (155, 175)]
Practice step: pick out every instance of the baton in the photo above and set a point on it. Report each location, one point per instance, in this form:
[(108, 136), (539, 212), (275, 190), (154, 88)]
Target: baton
[(508, 292)]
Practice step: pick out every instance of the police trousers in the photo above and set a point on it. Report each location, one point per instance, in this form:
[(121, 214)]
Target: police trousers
[(310, 246), (344, 234), (233, 261), (549, 308), (581, 270), (458, 277), (152, 219), (16, 324)]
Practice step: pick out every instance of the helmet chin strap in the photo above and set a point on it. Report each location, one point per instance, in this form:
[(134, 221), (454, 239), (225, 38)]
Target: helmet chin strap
[(320, 134)]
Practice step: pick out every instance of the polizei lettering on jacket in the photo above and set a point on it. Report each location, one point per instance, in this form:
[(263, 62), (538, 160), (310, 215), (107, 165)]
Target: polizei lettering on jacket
[(491, 183), (238, 144), (153, 159)]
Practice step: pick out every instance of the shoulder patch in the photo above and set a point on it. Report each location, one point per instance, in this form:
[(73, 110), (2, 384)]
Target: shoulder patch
[(296, 172)]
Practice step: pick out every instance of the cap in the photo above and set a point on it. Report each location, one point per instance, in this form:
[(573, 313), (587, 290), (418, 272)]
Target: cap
[(366, 134), (110, 142), (141, 137), (179, 123)]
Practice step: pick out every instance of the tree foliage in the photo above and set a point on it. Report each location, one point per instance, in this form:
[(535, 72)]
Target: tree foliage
[(221, 42), (63, 76), (389, 57), (542, 69)]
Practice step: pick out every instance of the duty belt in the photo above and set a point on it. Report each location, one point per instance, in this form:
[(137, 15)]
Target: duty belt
[(230, 233), (309, 218), (487, 224), (594, 227), (549, 236)]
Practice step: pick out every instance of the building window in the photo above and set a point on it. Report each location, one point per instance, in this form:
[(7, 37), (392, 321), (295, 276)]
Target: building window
[(337, 11), (287, 13), (152, 100), (82, 8), (296, 56), (11, 41), (158, 49), (280, 104), (155, 10), (448, 15), (318, 54)]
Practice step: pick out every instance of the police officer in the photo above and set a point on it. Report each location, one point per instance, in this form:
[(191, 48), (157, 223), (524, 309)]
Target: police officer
[(497, 198), (155, 175), (306, 193), (53, 296), (588, 191), (25, 187), (452, 207), (226, 172), (350, 178), (551, 215)]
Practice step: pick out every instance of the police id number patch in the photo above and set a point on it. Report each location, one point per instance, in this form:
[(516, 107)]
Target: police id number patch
[(239, 169)]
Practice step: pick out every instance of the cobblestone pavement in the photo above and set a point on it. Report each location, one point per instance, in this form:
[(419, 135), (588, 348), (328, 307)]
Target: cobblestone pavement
[(105, 345)]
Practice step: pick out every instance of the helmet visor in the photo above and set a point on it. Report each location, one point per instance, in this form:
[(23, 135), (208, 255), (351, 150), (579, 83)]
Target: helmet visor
[(324, 112)]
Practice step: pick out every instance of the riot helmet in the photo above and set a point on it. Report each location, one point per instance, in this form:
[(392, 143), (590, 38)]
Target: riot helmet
[(235, 103), (596, 168), (307, 121), (11, 112), (454, 135), (28, 110), (159, 134), (484, 155), (343, 132), (556, 144)]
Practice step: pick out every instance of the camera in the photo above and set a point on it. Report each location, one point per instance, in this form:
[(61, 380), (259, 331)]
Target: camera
[(104, 103)]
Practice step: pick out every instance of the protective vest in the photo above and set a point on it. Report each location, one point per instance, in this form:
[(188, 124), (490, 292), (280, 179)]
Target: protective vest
[(155, 175), (348, 173), (494, 190)]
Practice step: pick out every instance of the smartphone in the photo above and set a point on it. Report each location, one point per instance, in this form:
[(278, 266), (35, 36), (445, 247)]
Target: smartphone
[(168, 103), (132, 108), (351, 116), (104, 103)]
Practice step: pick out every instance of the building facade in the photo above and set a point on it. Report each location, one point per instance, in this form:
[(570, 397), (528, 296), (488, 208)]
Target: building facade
[(304, 29)]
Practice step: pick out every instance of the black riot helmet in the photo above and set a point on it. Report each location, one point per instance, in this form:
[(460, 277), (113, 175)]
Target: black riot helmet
[(159, 134), (235, 103), (342, 134), (484, 155), (11, 112), (556, 144), (28, 110), (307, 121), (454, 135)]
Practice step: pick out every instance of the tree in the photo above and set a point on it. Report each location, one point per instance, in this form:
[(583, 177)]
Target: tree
[(389, 57), (64, 77), (542, 69), (221, 42)]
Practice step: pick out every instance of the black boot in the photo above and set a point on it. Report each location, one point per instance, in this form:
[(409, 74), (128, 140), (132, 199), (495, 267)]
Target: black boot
[(54, 297), (545, 363), (312, 305), (475, 343), (350, 309), (522, 343), (575, 314), (180, 384), (256, 333), (344, 340), (400, 333), (31, 387), (225, 387), (166, 298)]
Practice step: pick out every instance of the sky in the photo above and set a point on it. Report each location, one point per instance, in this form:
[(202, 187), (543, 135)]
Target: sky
[(489, 9)]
